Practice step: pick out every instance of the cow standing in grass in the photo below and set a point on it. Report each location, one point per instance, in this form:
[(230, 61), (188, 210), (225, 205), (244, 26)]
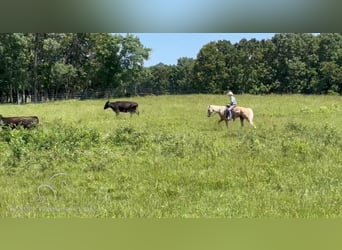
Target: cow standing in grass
[(19, 121), (122, 106)]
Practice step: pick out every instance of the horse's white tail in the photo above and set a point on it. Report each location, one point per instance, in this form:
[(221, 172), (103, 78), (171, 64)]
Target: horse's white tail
[(250, 117)]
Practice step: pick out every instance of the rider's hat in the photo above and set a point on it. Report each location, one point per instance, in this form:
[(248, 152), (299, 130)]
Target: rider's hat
[(230, 93)]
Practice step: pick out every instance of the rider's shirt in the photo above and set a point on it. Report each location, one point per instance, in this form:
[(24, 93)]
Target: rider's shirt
[(233, 100)]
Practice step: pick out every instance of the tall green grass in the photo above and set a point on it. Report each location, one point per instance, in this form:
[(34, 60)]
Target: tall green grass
[(172, 161)]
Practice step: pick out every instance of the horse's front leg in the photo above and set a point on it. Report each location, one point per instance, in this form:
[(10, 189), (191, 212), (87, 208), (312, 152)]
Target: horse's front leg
[(223, 119), (241, 121)]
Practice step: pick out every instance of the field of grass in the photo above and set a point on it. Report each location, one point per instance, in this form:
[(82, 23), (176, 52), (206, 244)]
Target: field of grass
[(172, 161)]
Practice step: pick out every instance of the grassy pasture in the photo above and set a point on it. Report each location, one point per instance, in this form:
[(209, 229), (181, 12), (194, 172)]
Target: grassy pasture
[(173, 161)]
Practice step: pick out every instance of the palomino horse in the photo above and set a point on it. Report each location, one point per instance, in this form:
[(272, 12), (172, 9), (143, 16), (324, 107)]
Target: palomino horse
[(241, 112)]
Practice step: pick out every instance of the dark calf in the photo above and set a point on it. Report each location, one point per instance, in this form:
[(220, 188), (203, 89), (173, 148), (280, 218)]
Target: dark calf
[(122, 106), (16, 121)]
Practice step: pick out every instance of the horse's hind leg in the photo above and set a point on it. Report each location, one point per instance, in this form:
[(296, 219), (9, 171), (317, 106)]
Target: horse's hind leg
[(251, 122)]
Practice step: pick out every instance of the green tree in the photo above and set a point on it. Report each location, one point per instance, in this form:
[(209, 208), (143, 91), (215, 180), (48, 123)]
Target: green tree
[(330, 66), (330, 78), (104, 60), (76, 52), (214, 67), (132, 55), (182, 78), (52, 54), (295, 60), (13, 69), (64, 76), (252, 69), (36, 60), (117, 61), (160, 78)]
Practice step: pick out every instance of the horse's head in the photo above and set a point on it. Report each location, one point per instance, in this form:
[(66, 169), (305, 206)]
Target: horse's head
[(210, 110)]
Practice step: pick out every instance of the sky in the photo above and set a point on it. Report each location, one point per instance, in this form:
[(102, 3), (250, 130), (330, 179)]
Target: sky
[(167, 48)]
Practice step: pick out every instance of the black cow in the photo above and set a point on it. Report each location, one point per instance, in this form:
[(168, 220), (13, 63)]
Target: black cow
[(122, 106), (17, 121)]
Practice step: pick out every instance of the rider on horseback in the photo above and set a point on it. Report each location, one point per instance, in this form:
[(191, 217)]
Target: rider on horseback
[(232, 104)]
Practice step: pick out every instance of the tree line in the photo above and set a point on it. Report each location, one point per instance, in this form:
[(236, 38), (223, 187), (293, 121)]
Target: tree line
[(286, 63), (49, 66)]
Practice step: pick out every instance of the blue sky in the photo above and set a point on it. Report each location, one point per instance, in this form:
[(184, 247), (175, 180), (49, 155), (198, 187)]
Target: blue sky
[(167, 48)]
